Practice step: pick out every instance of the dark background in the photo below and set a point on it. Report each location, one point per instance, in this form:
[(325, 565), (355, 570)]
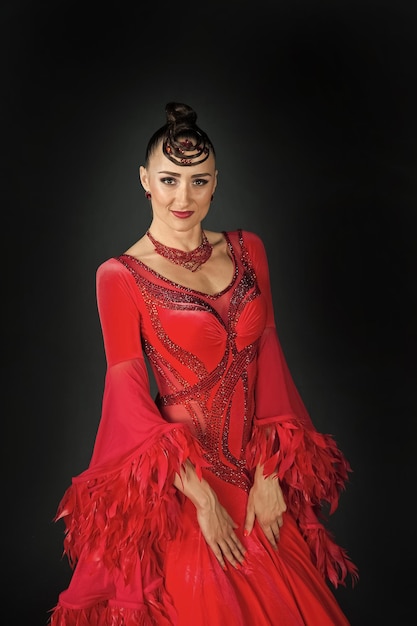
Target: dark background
[(312, 110)]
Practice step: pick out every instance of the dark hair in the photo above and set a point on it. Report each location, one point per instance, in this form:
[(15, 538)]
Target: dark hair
[(183, 142)]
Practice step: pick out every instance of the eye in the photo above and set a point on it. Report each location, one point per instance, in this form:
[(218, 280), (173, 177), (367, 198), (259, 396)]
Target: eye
[(200, 182), (168, 180)]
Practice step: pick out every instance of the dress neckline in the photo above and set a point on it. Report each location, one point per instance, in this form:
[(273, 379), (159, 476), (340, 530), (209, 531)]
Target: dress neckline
[(184, 287)]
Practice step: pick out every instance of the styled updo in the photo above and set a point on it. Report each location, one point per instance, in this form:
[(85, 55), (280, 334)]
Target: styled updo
[(183, 142)]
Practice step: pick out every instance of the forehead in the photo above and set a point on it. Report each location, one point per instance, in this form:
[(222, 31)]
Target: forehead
[(158, 162)]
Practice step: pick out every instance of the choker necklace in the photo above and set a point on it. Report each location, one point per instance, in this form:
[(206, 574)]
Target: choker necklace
[(191, 260)]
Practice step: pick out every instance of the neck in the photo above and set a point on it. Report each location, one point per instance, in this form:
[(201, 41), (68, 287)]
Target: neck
[(182, 240), (190, 259)]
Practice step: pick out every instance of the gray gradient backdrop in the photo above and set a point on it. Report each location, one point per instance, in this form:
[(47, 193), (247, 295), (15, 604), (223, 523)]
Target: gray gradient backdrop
[(312, 109)]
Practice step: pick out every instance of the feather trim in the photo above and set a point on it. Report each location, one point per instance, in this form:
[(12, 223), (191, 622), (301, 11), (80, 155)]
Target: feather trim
[(117, 515), (103, 614), (312, 471)]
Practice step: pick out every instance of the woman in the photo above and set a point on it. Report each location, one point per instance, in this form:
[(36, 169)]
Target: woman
[(199, 507)]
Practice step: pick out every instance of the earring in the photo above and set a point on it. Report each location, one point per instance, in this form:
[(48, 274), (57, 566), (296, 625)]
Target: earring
[(148, 195)]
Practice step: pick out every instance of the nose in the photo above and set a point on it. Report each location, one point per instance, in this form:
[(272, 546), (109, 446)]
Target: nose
[(183, 195)]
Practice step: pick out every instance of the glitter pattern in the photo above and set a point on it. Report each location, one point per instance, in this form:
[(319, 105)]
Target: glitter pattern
[(191, 260), (212, 394)]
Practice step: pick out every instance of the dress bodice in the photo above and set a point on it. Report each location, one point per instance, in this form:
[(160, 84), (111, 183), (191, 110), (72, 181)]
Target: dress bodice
[(202, 350)]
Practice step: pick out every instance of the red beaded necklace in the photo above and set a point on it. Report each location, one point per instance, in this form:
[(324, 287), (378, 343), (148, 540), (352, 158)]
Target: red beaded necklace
[(191, 260)]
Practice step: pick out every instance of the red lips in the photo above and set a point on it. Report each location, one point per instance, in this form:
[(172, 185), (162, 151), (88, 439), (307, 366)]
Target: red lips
[(182, 214)]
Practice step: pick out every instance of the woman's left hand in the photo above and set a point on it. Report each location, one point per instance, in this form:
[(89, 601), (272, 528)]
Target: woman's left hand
[(266, 503)]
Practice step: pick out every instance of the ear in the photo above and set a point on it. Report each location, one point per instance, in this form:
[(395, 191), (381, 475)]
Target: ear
[(215, 180), (143, 175)]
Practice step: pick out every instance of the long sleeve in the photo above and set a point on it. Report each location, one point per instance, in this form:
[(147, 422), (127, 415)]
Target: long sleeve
[(121, 510), (130, 420), (311, 468)]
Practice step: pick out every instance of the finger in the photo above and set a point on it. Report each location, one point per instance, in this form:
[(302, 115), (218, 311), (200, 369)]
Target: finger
[(238, 552), (219, 556), (269, 534), (232, 553), (238, 549), (276, 529), (249, 522), (238, 543)]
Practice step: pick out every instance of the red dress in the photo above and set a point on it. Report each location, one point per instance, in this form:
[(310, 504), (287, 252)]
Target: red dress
[(226, 401)]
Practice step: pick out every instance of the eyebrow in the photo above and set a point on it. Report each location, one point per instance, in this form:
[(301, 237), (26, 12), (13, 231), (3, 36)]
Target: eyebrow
[(176, 175)]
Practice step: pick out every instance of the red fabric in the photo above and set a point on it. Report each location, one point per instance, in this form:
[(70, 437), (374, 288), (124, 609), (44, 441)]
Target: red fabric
[(226, 401)]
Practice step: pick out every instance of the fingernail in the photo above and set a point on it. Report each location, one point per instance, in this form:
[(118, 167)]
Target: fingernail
[(238, 566), (245, 533)]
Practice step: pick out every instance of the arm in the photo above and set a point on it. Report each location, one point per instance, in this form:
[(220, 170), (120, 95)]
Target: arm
[(309, 465), (137, 454), (130, 419), (215, 522)]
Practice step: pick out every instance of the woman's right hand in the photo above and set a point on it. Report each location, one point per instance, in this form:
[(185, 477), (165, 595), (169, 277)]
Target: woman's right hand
[(216, 525), (218, 529)]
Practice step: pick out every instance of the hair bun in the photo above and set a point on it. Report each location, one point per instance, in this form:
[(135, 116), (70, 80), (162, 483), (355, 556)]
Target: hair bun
[(179, 114), (183, 142)]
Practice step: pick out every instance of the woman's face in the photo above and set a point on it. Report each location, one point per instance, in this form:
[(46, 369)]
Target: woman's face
[(181, 194)]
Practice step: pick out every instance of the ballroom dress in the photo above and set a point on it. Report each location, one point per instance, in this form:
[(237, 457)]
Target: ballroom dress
[(227, 402)]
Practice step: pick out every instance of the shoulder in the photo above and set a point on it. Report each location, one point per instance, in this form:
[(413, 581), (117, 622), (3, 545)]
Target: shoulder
[(249, 241), (252, 239), (247, 237), (114, 272), (109, 267)]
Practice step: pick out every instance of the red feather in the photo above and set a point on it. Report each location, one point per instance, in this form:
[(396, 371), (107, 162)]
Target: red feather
[(312, 471), (122, 514)]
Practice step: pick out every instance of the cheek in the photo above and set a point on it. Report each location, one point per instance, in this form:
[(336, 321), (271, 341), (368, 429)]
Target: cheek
[(162, 194), (207, 191)]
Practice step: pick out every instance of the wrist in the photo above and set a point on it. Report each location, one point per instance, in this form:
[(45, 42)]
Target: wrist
[(195, 489), (201, 495)]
